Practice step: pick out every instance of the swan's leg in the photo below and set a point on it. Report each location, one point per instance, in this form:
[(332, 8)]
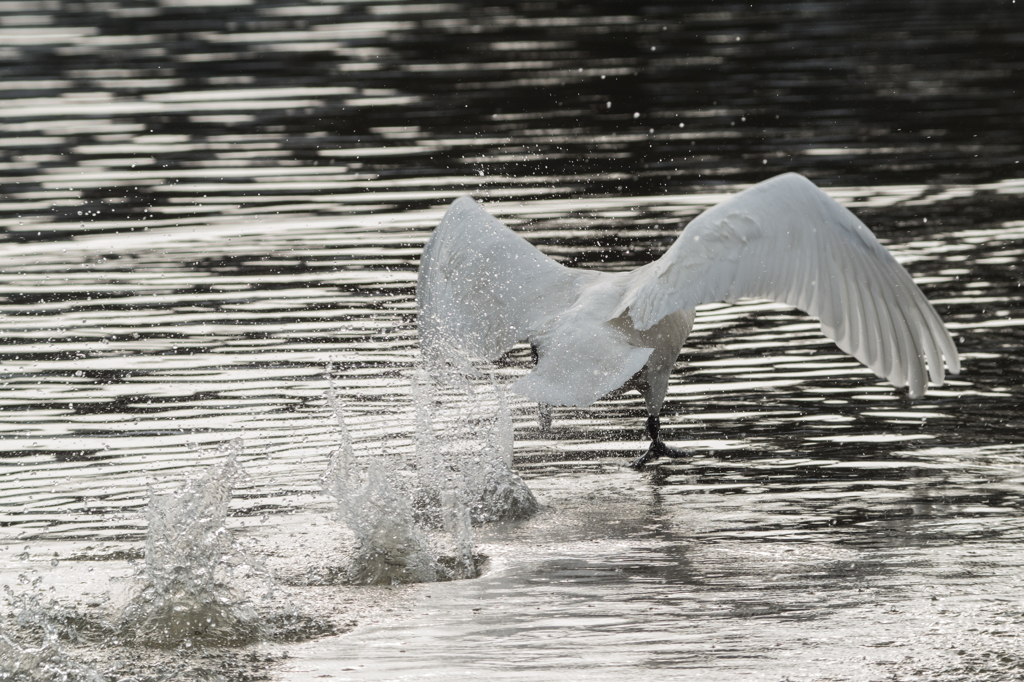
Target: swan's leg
[(658, 448), (544, 417), (543, 409)]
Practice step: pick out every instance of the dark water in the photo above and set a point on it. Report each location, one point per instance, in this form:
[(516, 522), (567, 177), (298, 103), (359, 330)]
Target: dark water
[(206, 203)]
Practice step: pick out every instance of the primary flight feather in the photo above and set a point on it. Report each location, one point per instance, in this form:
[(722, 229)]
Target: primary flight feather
[(482, 289)]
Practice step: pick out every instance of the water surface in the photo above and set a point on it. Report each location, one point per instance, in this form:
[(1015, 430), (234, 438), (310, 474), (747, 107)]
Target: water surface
[(205, 205)]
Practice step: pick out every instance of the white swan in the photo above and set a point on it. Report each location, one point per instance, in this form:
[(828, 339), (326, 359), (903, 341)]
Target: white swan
[(482, 288)]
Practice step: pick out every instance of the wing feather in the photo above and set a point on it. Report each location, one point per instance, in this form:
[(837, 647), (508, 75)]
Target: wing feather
[(482, 288), (866, 337), (786, 240), (849, 323)]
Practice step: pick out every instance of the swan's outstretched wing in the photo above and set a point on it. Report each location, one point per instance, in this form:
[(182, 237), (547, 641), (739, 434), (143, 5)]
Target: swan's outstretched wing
[(786, 240), (482, 288)]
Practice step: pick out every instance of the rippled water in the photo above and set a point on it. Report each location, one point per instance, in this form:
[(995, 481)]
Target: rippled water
[(206, 205)]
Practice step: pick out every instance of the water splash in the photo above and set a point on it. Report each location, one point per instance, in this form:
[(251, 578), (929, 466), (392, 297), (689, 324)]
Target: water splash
[(474, 456), (183, 595), (442, 493), (390, 548), (45, 663), (41, 620), (413, 521)]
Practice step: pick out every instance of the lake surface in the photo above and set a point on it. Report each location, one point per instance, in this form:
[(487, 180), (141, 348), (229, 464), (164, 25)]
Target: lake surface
[(209, 208)]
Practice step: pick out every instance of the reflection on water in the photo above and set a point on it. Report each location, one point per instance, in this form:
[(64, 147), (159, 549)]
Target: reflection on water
[(206, 203)]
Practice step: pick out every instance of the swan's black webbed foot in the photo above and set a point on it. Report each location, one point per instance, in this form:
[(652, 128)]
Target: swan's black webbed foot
[(658, 448)]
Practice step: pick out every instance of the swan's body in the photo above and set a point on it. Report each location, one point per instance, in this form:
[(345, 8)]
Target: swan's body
[(482, 288)]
